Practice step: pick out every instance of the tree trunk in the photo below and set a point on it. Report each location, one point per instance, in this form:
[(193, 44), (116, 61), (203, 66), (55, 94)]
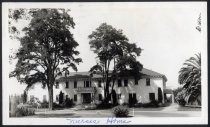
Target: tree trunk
[(50, 91)]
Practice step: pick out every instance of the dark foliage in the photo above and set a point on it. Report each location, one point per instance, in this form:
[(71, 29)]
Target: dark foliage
[(132, 102), (160, 96), (24, 96), (120, 111), (44, 104), (68, 103), (61, 97), (104, 105), (114, 97), (57, 106), (48, 48), (180, 98), (110, 44), (190, 78)]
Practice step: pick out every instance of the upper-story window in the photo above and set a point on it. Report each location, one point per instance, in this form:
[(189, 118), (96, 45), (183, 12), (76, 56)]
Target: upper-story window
[(75, 97), (75, 84), (100, 97), (87, 83), (148, 81), (57, 85), (136, 81), (125, 82), (67, 84), (119, 83), (99, 83), (119, 96)]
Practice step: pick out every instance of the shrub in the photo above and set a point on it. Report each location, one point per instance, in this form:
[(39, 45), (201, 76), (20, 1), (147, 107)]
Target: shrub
[(34, 102), (58, 106), (120, 111), (132, 102), (104, 105), (180, 99), (153, 103), (138, 105), (68, 103), (44, 104), (61, 97), (24, 110)]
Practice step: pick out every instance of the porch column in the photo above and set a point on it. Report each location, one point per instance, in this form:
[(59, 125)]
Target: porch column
[(172, 97)]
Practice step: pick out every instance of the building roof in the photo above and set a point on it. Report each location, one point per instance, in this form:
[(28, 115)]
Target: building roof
[(148, 72), (86, 74)]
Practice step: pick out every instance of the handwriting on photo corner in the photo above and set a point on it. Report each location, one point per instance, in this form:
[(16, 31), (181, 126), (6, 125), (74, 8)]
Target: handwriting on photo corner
[(96, 121), (198, 27)]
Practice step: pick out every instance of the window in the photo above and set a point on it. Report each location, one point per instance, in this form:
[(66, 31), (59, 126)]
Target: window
[(119, 83), (148, 81), (118, 96), (57, 98), (99, 83), (75, 97), (57, 85), (134, 96), (87, 83), (151, 96), (125, 82), (100, 97), (136, 82), (67, 84), (132, 99), (75, 84), (110, 84)]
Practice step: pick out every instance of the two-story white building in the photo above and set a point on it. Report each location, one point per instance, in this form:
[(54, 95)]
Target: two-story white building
[(83, 88)]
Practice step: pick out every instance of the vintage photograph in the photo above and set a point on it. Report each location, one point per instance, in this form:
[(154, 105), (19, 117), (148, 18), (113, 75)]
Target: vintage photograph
[(104, 63)]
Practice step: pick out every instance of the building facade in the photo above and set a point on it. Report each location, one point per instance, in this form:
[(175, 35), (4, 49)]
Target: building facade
[(85, 89)]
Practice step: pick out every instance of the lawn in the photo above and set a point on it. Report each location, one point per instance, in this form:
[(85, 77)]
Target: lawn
[(169, 111)]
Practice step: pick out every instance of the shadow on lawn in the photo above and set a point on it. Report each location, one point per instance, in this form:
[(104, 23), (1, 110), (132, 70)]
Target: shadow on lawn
[(149, 109), (180, 108)]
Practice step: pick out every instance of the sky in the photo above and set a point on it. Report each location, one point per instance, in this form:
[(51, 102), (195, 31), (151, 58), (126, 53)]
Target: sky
[(165, 31)]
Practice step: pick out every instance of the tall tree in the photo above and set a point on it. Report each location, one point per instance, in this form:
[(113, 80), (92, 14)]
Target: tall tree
[(110, 45), (190, 78), (47, 49)]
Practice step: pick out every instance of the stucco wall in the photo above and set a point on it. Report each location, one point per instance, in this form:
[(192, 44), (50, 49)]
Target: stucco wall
[(142, 90)]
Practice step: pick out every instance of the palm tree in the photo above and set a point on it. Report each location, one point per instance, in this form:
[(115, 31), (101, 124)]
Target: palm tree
[(190, 78)]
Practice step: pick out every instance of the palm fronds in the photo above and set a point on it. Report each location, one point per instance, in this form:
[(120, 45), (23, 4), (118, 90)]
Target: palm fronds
[(190, 77)]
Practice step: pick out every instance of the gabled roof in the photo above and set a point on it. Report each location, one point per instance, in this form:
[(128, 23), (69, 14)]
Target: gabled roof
[(86, 74)]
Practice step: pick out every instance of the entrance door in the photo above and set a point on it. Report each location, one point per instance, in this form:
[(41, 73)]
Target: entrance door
[(86, 98)]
